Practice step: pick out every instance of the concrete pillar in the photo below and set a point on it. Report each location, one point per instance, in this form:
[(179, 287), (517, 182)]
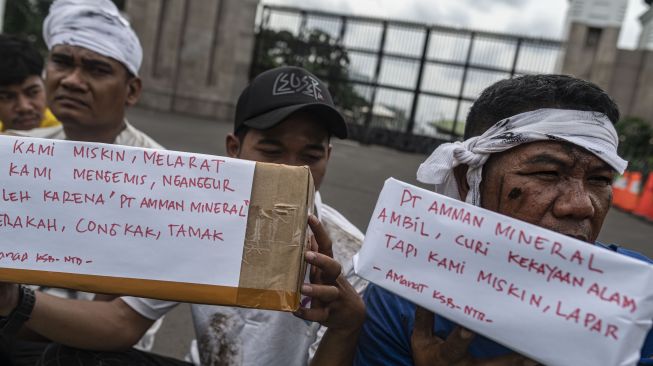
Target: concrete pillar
[(592, 31), (642, 106), (197, 53), (646, 36)]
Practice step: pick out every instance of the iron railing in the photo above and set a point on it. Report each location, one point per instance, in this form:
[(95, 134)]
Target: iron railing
[(413, 83)]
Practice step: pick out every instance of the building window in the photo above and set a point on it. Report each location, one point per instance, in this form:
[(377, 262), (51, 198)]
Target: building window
[(593, 37)]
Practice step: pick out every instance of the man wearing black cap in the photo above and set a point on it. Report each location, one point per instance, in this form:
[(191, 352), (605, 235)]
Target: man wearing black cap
[(278, 108), (286, 116)]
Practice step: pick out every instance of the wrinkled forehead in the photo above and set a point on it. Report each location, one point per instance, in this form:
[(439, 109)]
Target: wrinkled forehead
[(85, 54), (562, 153)]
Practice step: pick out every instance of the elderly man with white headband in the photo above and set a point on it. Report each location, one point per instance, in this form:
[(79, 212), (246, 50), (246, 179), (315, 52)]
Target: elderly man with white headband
[(539, 148), (91, 79), (92, 73)]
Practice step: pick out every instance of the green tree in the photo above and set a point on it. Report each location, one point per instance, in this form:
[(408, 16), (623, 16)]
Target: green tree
[(445, 125), (25, 18), (636, 143), (314, 50)]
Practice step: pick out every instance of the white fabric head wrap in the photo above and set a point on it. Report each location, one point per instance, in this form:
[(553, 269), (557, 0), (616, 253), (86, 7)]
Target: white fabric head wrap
[(592, 131), (96, 25)]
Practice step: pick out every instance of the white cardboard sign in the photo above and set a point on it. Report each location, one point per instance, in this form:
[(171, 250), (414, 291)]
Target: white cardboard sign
[(121, 211), (550, 297)]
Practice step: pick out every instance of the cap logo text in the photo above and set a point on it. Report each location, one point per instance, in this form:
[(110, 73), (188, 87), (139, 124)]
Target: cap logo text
[(291, 83)]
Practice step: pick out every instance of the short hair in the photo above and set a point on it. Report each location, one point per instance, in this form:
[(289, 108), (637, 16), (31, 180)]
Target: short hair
[(241, 132), (19, 60), (525, 93)]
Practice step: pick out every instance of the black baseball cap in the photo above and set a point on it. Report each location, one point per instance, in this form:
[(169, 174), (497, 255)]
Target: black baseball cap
[(276, 94)]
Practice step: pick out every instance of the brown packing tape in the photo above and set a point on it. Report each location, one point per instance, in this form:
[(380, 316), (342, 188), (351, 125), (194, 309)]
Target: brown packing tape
[(165, 290), (177, 291), (272, 251), (310, 189), (272, 267), (267, 299)]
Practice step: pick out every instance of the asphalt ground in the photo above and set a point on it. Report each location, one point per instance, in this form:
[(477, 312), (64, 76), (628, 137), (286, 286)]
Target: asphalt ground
[(354, 179)]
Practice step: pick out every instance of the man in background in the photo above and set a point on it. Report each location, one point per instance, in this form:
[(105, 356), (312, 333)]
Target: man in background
[(22, 92), (538, 148), (92, 74)]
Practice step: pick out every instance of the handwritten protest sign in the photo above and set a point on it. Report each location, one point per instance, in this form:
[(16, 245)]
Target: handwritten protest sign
[(120, 211), (550, 297)]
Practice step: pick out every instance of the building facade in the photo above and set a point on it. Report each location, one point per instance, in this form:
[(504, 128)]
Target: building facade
[(592, 32), (196, 53)]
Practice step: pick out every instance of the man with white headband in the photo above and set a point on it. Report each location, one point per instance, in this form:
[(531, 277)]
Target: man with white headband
[(91, 79), (539, 148), (92, 73)]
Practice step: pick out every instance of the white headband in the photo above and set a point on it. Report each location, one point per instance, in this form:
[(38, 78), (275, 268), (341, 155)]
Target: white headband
[(592, 131), (95, 25)]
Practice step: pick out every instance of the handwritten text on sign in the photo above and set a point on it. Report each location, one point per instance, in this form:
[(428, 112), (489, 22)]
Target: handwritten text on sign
[(122, 211), (528, 288)]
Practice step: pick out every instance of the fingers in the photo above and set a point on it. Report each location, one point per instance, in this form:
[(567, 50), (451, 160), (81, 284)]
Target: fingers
[(320, 315), (423, 322), (329, 268), (323, 293), (321, 236), (314, 246), (456, 345)]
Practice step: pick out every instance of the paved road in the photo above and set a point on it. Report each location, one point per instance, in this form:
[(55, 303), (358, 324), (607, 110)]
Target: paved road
[(355, 177)]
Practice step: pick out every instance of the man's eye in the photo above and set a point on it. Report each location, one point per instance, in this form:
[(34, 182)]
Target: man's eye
[(546, 174), (100, 71), (6, 97), (60, 62), (601, 180), (270, 152), (311, 159), (34, 92)]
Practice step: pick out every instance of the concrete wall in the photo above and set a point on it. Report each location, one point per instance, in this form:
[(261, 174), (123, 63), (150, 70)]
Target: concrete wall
[(623, 87), (627, 75), (590, 54), (646, 35), (196, 53), (641, 104)]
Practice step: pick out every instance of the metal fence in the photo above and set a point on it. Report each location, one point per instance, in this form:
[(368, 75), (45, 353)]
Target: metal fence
[(414, 82)]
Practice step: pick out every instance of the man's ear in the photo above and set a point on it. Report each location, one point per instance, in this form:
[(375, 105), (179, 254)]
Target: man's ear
[(329, 152), (232, 145), (134, 89), (460, 173)]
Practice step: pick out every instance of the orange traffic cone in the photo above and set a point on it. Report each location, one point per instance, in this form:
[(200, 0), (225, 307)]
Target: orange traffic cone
[(631, 194), (645, 205), (618, 188)]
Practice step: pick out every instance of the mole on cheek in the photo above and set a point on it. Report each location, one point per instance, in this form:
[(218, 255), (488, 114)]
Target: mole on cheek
[(514, 193)]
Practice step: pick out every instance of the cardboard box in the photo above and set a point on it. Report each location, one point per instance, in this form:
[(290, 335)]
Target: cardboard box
[(272, 268)]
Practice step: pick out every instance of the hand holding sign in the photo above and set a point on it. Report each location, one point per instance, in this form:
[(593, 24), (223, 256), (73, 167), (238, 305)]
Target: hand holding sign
[(431, 350), (483, 270), (335, 303), (152, 223)]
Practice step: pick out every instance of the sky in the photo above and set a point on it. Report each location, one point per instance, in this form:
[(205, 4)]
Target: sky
[(538, 18)]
